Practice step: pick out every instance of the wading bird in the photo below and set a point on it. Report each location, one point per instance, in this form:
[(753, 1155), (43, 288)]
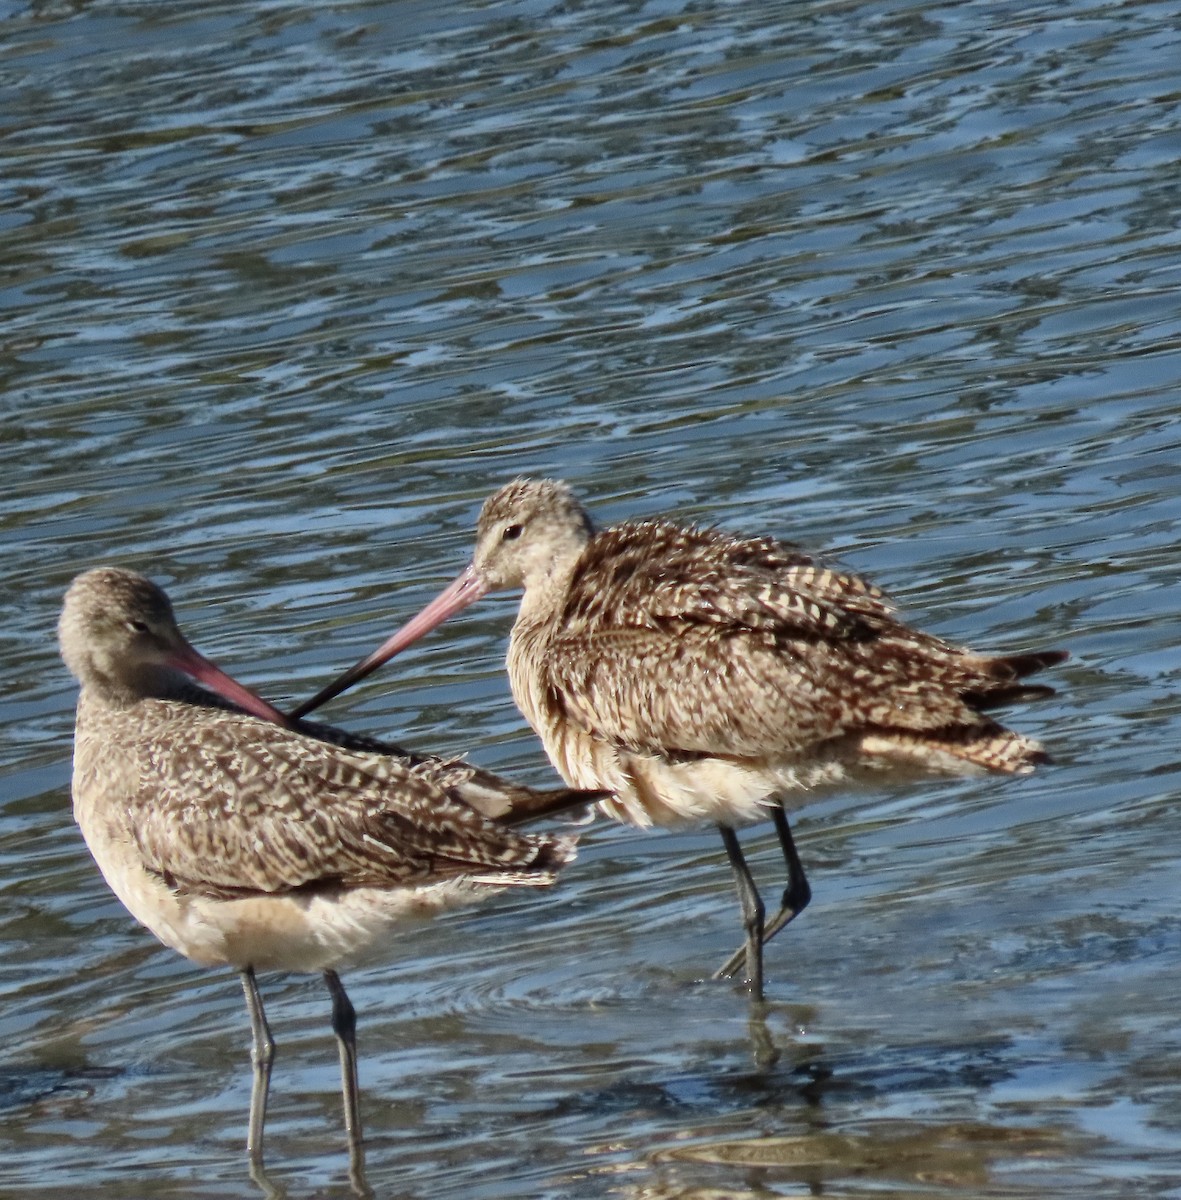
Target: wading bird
[(705, 676), (240, 841)]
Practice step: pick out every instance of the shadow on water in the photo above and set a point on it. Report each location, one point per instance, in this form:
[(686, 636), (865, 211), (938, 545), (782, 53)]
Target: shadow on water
[(829, 1101), (45, 1087)]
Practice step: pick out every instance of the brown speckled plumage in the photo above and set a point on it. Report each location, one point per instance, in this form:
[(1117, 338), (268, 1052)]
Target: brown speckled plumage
[(225, 803), (671, 640), (702, 675), (240, 842), (656, 640), (222, 815)]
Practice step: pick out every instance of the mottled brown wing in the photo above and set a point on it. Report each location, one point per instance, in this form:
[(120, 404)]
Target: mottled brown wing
[(639, 573), (223, 814), (489, 794), (740, 695), (701, 643)]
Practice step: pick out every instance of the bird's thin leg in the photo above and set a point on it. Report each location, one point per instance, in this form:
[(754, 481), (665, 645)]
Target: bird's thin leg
[(798, 892), (262, 1055), (752, 911), (795, 896), (344, 1025)]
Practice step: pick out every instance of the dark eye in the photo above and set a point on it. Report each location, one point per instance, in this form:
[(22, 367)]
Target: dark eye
[(512, 532), (138, 626)]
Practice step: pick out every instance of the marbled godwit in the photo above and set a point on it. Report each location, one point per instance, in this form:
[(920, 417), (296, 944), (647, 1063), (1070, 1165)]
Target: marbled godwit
[(703, 676), (241, 843)]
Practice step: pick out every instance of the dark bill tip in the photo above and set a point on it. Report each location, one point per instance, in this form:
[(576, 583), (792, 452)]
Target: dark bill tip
[(468, 588)]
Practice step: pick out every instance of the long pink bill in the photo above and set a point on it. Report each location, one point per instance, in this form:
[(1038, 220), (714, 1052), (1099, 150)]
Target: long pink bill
[(203, 671), (467, 589)]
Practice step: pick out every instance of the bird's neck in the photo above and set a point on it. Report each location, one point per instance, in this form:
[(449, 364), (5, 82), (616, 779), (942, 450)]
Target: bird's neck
[(148, 683), (546, 590)]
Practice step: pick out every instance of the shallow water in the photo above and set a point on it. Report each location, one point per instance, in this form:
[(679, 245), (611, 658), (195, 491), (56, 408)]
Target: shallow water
[(286, 290)]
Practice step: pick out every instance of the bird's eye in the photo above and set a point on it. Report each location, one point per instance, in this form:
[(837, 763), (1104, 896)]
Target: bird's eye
[(138, 626), (512, 532)]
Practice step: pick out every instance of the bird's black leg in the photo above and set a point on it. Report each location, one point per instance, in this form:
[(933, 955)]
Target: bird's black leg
[(262, 1055), (798, 891), (344, 1025), (752, 912), (795, 896)]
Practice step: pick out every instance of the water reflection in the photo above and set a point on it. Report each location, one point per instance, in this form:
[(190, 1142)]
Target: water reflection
[(893, 1156)]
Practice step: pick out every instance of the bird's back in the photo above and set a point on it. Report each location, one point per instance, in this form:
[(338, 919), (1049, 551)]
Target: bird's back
[(676, 644), (223, 803)]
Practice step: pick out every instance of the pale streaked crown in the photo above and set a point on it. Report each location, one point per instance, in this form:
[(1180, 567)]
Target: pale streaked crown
[(530, 531), (116, 629)]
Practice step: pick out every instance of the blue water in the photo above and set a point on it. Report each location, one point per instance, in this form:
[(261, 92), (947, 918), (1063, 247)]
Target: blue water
[(286, 290)]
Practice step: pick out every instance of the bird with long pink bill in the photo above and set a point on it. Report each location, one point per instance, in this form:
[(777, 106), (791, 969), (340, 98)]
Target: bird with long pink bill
[(704, 676), (241, 840)]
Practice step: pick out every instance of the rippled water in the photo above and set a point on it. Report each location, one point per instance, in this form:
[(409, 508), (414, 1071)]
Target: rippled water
[(286, 290)]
